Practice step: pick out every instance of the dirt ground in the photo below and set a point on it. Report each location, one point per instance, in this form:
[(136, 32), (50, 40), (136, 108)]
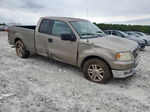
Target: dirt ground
[(37, 84)]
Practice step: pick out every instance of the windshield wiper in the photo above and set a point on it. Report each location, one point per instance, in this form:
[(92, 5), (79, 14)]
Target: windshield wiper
[(99, 32), (87, 34)]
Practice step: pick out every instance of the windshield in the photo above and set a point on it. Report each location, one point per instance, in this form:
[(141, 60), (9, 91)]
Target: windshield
[(140, 33), (133, 34), (86, 29), (124, 34)]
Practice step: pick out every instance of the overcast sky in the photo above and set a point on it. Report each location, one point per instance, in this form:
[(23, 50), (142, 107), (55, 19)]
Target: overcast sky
[(99, 11)]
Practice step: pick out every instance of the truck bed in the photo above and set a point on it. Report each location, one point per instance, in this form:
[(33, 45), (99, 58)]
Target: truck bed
[(24, 33), (27, 27)]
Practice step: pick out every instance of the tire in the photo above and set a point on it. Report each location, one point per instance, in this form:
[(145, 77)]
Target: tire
[(21, 50), (97, 70)]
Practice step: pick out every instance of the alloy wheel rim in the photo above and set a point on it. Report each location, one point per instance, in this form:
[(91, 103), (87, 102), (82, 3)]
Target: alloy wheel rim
[(19, 49), (95, 72)]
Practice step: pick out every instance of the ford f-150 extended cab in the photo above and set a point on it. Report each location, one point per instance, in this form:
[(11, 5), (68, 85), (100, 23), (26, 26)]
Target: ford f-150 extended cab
[(77, 42)]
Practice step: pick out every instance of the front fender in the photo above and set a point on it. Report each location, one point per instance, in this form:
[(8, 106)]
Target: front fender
[(101, 53)]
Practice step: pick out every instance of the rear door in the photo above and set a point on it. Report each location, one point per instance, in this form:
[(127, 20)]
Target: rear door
[(42, 37)]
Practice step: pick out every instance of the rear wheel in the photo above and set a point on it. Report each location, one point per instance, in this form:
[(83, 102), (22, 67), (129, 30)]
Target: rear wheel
[(97, 70), (21, 50)]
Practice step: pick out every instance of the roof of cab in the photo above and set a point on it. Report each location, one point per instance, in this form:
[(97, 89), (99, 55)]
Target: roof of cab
[(63, 18)]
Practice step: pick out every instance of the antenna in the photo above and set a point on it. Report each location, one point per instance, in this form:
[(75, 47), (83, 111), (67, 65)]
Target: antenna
[(87, 11)]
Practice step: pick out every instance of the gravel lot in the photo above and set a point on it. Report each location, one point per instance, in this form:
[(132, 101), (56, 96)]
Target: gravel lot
[(37, 84)]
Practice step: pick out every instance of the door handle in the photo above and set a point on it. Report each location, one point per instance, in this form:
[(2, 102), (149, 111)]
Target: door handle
[(50, 40)]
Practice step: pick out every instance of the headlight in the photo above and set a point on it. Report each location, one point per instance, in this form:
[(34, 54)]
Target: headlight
[(124, 56), (141, 42)]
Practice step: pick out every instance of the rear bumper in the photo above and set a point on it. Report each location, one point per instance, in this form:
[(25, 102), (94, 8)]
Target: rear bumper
[(8, 41)]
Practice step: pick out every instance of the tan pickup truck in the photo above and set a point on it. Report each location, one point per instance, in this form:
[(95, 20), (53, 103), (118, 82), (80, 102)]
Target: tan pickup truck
[(77, 42)]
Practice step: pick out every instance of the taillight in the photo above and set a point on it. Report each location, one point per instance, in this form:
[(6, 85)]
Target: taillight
[(7, 31)]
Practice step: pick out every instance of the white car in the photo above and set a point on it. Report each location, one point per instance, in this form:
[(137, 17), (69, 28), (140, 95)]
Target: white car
[(3, 28), (143, 34)]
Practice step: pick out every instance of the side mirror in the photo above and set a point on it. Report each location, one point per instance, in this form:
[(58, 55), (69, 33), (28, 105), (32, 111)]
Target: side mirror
[(70, 37)]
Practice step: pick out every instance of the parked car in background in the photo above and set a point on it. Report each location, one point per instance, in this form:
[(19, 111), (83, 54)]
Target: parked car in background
[(143, 34), (140, 35), (118, 33), (3, 28), (148, 35), (77, 42)]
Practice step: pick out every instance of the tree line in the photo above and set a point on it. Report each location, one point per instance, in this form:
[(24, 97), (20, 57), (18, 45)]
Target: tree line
[(2, 24), (122, 27)]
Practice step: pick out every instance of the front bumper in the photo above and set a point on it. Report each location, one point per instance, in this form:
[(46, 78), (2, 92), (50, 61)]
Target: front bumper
[(142, 46), (124, 73)]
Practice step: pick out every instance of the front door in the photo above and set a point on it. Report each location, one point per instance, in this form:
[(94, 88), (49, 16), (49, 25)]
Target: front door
[(62, 50)]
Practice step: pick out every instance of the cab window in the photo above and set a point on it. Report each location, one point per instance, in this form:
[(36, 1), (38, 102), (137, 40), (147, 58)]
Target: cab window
[(60, 28)]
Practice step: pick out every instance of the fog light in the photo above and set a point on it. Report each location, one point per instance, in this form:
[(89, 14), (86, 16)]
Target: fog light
[(128, 72)]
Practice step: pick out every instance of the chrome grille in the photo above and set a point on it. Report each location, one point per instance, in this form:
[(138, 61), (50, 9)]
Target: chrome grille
[(136, 53)]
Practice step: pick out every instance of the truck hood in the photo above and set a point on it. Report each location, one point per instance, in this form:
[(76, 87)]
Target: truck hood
[(114, 43)]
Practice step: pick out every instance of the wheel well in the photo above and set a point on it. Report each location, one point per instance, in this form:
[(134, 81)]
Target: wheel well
[(16, 40), (145, 41), (91, 57)]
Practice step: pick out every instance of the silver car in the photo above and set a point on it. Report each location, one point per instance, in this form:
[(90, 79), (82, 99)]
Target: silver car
[(118, 33), (141, 36)]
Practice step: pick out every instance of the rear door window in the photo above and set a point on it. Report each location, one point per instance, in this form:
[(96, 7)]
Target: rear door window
[(46, 26)]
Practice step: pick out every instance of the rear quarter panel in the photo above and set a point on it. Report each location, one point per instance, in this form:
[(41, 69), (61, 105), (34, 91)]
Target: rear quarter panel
[(26, 35)]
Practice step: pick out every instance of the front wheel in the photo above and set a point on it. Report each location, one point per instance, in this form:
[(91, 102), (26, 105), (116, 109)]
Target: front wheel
[(97, 70), (21, 50)]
